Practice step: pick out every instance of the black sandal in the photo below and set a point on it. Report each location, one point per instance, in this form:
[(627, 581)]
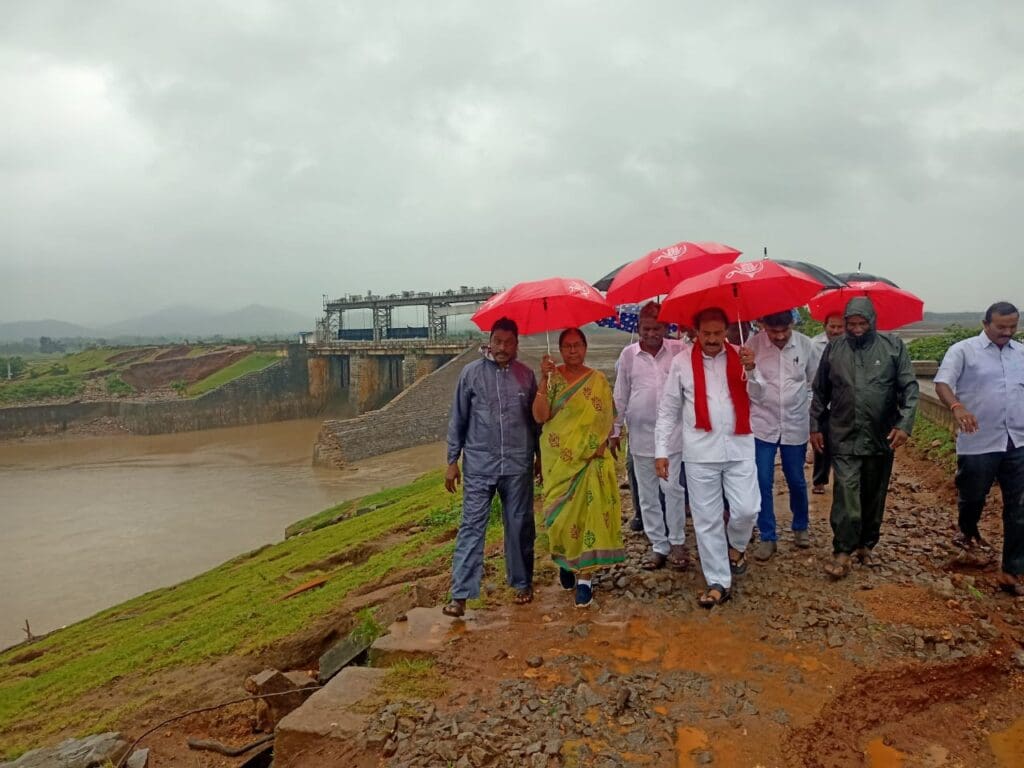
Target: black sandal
[(739, 565), (456, 609), (1016, 589), (705, 600), (653, 562)]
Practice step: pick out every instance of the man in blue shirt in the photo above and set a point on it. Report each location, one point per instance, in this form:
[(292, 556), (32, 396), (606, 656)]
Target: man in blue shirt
[(981, 380), (492, 428)]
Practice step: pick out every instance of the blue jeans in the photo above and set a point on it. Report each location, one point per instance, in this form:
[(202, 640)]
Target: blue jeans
[(793, 469), (516, 494)]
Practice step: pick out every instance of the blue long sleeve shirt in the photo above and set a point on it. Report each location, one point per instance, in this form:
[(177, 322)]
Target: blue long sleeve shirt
[(491, 424)]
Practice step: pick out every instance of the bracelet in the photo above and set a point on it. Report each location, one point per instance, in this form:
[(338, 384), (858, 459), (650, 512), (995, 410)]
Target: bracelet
[(956, 405)]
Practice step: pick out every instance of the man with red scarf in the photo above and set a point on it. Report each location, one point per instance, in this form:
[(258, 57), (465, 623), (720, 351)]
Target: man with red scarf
[(706, 392)]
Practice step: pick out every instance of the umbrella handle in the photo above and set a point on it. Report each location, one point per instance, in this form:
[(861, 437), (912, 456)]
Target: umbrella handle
[(743, 342)]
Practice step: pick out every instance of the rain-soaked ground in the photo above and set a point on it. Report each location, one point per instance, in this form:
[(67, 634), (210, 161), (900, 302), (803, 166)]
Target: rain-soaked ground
[(915, 663)]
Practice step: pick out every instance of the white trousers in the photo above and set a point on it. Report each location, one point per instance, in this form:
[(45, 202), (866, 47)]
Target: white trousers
[(647, 485), (706, 483)]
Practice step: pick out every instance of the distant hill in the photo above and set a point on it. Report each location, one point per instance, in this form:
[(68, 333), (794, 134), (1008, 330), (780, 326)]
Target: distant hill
[(182, 320), (33, 329)]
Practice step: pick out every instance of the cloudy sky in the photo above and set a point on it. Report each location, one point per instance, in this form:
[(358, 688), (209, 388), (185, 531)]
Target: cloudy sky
[(224, 153)]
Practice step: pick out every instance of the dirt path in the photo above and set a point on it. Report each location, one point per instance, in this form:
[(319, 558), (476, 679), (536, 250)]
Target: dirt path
[(909, 664), (916, 663)]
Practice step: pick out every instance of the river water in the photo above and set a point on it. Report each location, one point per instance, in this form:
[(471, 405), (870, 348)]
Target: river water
[(90, 522)]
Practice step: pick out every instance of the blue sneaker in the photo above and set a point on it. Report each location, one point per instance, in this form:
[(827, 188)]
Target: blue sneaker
[(584, 595), (567, 579)]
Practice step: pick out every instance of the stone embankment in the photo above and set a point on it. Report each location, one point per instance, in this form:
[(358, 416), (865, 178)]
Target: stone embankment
[(416, 416)]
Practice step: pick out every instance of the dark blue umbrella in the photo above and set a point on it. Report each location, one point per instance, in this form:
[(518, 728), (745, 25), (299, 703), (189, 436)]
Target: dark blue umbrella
[(822, 275)]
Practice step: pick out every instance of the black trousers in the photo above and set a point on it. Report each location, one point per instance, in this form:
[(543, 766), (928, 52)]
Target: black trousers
[(822, 461), (858, 500), (974, 478)]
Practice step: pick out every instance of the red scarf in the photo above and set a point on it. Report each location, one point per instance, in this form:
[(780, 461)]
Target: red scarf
[(737, 389)]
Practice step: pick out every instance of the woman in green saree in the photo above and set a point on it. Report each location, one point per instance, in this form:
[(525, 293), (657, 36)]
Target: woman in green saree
[(581, 496)]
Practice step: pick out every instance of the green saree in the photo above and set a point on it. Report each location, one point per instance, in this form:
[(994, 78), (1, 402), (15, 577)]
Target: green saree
[(581, 497)]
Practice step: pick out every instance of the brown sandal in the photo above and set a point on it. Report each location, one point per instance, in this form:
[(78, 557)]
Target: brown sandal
[(708, 598), (839, 567), (524, 596), (678, 559)]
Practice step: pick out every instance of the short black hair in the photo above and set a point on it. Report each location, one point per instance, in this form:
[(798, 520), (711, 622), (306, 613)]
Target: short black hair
[(505, 324), (776, 319), (711, 313), (650, 309), (567, 331), (1000, 308)]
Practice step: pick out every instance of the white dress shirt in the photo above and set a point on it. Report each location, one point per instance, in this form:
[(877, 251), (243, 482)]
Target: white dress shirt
[(639, 381), (677, 407), (989, 381), (780, 388)]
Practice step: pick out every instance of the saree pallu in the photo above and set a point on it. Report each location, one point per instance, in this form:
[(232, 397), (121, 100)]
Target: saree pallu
[(581, 496)]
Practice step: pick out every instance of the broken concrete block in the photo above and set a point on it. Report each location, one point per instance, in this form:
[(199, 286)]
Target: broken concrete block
[(331, 717), (90, 752), (339, 656), (424, 633), (269, 711)]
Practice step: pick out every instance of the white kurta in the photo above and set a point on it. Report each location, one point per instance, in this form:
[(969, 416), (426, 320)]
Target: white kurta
[(717, 462)]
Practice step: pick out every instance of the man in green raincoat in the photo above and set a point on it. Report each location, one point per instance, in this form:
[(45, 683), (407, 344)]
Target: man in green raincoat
[(865, 387)]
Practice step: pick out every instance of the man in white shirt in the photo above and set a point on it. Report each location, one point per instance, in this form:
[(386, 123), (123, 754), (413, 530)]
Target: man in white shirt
[(780, 402), (981, 380), (640, 377), (706, 394), (835, 327)]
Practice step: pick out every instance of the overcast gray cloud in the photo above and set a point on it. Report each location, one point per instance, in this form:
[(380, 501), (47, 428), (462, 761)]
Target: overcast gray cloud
[(223, 153)]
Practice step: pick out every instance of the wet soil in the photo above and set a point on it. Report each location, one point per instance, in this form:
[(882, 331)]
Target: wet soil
[(915, 663), (912, 663)]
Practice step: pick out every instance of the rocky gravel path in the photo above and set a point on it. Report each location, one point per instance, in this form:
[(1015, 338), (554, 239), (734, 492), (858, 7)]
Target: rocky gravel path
[(916, 662)]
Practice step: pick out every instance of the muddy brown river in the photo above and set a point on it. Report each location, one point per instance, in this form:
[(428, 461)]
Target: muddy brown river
[(90, 522)]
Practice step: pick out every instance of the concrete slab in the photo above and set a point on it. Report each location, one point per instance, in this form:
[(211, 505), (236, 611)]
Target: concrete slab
[(339, 656), (423, 634), (330, 718)]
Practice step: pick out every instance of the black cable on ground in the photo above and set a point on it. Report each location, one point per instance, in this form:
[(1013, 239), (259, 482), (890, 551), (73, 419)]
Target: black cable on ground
[(200, 710)]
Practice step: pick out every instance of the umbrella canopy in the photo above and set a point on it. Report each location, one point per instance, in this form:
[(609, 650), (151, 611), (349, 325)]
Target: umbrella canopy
[(544, 305), (744, 291), (895, 307), (863, 277), (605, 282), (822, 275), (661, 270)]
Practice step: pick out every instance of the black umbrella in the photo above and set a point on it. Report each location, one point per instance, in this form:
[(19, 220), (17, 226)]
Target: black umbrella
[(852, 277), (605, 282), (823, 276)]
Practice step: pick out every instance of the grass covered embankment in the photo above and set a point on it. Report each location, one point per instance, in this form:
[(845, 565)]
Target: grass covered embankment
[(105, 373), (59, 685)]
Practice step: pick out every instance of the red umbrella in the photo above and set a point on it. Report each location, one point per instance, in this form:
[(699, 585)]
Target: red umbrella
[(545, 305), (895, 307), (744, 291), (659, 271)]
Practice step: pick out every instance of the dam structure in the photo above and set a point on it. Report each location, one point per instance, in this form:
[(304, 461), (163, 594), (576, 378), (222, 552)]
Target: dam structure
[(372, 365), (399, 379)]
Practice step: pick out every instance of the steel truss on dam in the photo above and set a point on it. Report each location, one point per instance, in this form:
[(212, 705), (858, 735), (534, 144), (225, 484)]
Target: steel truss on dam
[(331, 330)]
